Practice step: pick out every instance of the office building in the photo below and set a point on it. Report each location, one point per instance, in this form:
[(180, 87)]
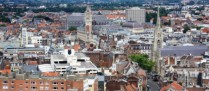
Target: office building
[(135, 14)]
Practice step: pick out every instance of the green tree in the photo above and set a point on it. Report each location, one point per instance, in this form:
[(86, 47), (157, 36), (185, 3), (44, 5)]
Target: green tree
[(168, 23), (186, 28), (44, 17), (72, 28), (149, 16), (4, 19), (191, 3), (198, 28), (2, 25), (199, 19), (143, 61)]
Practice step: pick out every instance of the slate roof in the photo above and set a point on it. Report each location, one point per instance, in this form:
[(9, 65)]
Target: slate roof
[(78, 20), (132, 24), (184, 50), (30, 68)]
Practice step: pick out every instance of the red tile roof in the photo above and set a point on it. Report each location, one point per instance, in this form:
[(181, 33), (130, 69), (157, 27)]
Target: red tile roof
[(115, 16), (32, 62), (42, 25), (5, 71), (141, 72), (50, 73), (174, 85), (76, 47), (129, 87), (205, 30)]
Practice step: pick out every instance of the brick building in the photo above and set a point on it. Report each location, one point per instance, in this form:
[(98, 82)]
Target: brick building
[(48, 82), (138, 48), (101, 59)]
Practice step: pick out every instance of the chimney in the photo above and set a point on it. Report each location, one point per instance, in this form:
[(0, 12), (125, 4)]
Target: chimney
[(113, 37), (99, 42)]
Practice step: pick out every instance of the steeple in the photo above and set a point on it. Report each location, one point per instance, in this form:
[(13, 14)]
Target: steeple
[(88, 9), (158, 18), (157, 43)]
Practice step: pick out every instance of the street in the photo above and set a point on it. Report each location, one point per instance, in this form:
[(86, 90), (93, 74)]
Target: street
[(153, 85)]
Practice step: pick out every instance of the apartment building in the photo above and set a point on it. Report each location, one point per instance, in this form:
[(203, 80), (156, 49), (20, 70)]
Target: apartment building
[(50, 81)]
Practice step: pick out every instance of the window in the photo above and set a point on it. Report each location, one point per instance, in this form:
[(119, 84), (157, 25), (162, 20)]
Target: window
[(12, 87), (55, 83), (46, 88), (12, 82), (41, 88), (41, 82), (80, 60), (26, 82), (55, 88), (62, 83), (33, 82), (33, 88), (5, 82), (62, 62), (5, 87), (62, 88)]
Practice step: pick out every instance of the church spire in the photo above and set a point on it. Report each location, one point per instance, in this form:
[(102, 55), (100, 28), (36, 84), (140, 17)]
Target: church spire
[(157, 43), (158, 18), (88, 9)]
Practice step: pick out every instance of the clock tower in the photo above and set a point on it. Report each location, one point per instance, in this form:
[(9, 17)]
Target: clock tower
[(88, 24)]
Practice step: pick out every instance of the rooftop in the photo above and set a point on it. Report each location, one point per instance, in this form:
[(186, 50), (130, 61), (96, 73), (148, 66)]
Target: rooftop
[(45, 68), (184, 50), (58, 57)]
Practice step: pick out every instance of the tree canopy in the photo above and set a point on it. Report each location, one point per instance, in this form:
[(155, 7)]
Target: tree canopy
[(149, 16), (186, 28), (72, 28), (143, 61), (44, 17), (4, 19)]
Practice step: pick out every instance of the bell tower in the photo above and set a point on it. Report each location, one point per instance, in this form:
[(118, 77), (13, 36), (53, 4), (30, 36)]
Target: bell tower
[(157, 44), (88, 24)]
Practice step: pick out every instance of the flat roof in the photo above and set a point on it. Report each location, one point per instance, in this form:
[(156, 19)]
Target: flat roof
[(58, 57), (45, 68), (86, 64)]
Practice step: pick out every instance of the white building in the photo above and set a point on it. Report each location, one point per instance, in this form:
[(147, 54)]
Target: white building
[(136, 14), (24, 37), (36, 40), (77, 63)]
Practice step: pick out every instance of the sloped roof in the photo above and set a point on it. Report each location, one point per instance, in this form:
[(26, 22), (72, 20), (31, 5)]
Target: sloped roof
[(50, 73), (174, 85), (183, 50)]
